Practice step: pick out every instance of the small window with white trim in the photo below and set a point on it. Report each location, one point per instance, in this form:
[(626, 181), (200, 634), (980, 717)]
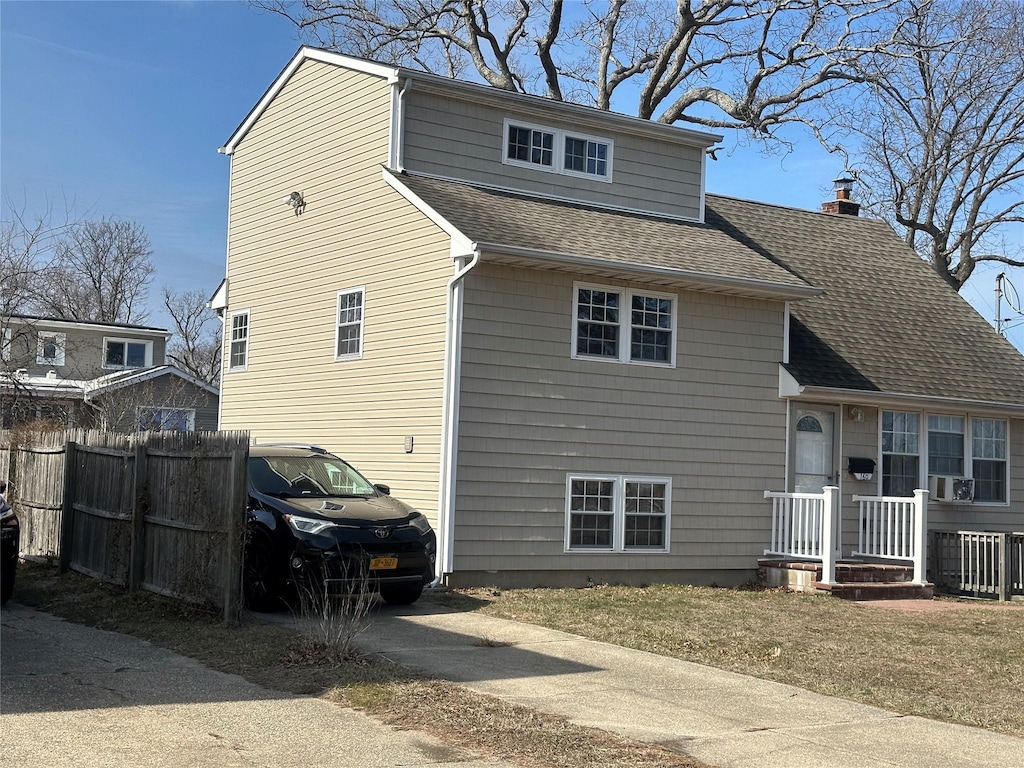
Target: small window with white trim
[(50, 348), (617, 513), (624, 325), (238, 350), (127, 353), (901, 459), (349, 336)]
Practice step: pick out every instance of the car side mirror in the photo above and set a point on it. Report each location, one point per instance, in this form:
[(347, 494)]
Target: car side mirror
[(385, 489)]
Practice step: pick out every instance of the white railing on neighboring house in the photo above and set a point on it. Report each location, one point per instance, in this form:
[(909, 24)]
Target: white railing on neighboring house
[(806, 526)]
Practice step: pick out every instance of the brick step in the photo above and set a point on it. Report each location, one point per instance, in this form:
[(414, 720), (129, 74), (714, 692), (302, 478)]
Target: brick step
[(878, 591)]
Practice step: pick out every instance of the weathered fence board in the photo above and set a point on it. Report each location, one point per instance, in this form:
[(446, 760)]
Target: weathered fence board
[(158, 511), (978, 563)]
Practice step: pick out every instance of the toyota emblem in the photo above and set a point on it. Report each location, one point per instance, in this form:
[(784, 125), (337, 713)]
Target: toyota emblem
[(381, 533)]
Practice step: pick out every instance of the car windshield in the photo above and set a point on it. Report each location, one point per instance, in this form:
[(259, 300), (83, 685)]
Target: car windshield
[(306, 476)]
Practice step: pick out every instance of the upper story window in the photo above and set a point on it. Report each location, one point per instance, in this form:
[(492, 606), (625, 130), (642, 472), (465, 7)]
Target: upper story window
[(238, 356), (127, 353), (557, 151), (50, 348), (349, 343), (623, 325)]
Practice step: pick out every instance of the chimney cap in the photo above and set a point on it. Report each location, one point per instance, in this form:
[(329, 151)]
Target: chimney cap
[(844, 183)]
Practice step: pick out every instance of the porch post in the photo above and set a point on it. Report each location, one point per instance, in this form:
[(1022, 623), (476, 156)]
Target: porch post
[(830, 498), (920, 535)]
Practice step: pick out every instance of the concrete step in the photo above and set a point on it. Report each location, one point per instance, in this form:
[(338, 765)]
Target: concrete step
[(878, 591)]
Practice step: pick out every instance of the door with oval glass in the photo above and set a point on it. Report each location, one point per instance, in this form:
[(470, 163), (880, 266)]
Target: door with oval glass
[(814, 458)]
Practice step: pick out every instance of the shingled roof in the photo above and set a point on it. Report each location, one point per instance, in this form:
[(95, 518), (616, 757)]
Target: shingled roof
[(498, 219), (886, 321), (881, 321)]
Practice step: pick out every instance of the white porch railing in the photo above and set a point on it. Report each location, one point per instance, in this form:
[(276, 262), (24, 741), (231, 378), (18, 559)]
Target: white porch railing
[(894, 528), (807, 526)]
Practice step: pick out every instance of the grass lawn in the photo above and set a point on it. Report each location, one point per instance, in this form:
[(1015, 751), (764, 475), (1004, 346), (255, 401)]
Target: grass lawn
[(963, 663)]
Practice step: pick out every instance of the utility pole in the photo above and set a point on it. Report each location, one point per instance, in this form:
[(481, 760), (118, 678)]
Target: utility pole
[(999, 302)]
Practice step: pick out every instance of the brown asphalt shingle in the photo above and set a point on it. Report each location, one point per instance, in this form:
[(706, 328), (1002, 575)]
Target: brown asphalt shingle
[(511, 219), (886, 321)]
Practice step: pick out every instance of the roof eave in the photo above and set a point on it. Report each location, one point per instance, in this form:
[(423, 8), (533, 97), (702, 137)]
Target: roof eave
[(902, 400)]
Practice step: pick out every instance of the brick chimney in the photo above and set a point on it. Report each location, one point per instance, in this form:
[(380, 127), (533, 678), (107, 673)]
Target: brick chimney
[(842, 205)]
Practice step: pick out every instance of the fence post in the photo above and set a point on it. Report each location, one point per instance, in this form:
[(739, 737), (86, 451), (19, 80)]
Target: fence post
[(234, 525), (1003, 593), (830, 494), (139, 506), (920, 535), (67, 508)]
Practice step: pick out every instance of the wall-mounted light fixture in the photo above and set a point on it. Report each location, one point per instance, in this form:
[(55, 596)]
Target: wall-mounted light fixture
[(296, 201), (856, 413)]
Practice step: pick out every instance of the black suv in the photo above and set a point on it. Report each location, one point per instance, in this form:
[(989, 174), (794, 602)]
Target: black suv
[(313, 520)]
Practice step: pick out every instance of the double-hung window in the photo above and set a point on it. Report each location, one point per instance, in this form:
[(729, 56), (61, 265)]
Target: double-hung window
[(156, 419), (127, 353), (945, 445), (557, 150), (989, 459), (238, 352), (901, 459), (617, 513), (349, 342), (623, 325)]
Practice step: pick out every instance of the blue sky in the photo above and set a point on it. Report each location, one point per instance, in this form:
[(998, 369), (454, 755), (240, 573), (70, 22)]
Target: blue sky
[(118, 108)]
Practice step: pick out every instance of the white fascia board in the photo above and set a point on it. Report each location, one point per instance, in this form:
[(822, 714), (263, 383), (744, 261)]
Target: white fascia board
[(305, 53), (43, 322), (762, 288), (788, 385), (461, 244), (219, 299), (126, 379), (899, 400), (544, 107)]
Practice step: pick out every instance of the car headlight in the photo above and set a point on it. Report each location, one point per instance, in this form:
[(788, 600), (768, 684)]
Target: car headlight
[(420, 523), (308, 524)]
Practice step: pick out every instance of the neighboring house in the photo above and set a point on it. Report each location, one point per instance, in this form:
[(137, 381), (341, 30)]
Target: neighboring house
[(530, 319), (105, 375)]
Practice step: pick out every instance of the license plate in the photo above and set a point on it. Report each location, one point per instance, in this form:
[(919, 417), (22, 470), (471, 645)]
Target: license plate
[(383, 563)]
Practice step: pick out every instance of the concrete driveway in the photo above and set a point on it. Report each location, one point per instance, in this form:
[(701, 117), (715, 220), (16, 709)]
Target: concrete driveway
[(76, 696)]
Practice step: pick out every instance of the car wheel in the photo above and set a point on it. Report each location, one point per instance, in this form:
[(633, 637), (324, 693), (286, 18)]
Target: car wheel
[(7, 573), (260, 590), (404, 594)]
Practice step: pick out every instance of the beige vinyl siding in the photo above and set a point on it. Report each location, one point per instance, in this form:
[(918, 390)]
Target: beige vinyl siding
[(460, 139), (326, 136), (860, 440), (529, 414)]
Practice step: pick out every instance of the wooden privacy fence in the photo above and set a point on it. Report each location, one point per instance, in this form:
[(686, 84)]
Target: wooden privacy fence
[(158, 511), (978, 563)]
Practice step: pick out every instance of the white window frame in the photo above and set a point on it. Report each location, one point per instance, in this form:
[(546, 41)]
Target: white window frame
[(618, 513), (147, 361), (229, 338), (968, 437), (361, 290), (60, 343), (919, 454), (625, 324), (190, 415), (557, 150)]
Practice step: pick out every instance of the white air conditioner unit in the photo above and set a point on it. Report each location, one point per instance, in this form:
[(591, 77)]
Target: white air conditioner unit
[(963, 489), (940, 487)]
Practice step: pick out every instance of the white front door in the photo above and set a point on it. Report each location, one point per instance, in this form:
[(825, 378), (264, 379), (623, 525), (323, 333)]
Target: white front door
[(814, 462)]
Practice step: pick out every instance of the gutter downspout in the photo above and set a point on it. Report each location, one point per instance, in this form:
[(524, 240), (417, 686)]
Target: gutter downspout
[(450, 419), (398, 129)]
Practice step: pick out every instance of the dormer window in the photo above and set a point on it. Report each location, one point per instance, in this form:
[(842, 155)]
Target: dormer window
[(557, 151), (127, 353)]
